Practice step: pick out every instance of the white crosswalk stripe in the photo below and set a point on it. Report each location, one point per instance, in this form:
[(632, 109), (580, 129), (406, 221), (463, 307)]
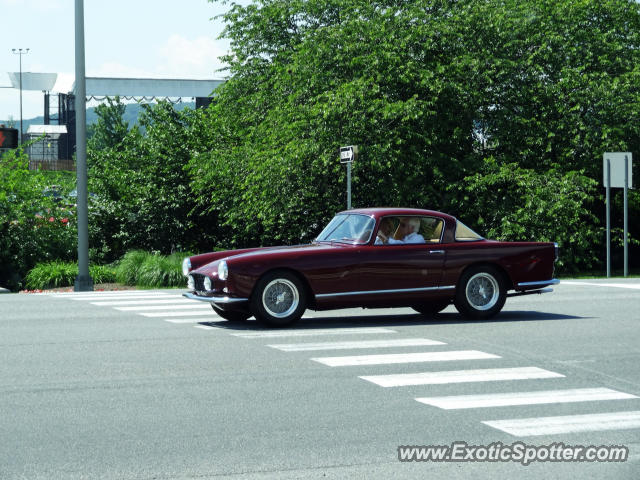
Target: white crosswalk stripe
[(146, 308), (524, 398), (136, 294), (159, 301), (460, 376), (105, 293), (358, 344), (524, 427), (147, 303), (404, 358), (214, 318), (178, 313), (309, 332)]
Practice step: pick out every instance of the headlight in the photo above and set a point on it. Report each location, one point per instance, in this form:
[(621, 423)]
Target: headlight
[(223, 271), (207, 283), (186, 266), (191, 283)]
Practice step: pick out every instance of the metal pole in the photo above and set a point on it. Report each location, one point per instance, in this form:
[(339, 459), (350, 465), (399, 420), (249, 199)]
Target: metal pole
[(626, 187), (348, 185), (21, 97), (20, 52), (608, 218), (83, 280)]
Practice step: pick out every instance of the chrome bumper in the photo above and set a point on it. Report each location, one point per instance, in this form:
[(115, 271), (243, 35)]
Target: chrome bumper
[(543, 283), (215, 299)]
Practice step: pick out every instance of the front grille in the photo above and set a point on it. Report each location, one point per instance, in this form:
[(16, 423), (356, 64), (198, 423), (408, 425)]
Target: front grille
[(199, 282)]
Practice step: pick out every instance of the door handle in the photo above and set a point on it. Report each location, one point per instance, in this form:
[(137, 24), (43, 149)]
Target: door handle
[(436, 251)]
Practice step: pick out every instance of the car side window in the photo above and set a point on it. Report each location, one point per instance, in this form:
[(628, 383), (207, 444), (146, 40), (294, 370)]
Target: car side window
[(431, 229), (407, 230)]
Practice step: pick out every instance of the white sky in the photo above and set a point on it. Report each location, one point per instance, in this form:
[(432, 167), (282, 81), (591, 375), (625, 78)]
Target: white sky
[(134, 38)]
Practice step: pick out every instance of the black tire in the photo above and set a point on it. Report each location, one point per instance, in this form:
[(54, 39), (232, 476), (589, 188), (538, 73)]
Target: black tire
[(432, 308), (481, 292), (231, 315), (279, 299)]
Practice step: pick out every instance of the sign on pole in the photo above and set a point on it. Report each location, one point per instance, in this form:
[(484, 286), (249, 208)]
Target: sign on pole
[(617, 162), (348, 155), (617, 172)]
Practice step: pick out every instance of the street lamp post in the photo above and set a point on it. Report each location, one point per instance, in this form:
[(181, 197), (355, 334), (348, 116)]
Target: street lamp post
[(20, 52), (83, 281)]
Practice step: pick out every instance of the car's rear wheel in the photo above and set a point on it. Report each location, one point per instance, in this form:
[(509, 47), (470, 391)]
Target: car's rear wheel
[(231, 315), (481, 292), (279, 299), (431, 308)]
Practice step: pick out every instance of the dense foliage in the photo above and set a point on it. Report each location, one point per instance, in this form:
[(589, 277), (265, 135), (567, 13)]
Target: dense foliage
[(34, 226), (140, 195), (497, 111)]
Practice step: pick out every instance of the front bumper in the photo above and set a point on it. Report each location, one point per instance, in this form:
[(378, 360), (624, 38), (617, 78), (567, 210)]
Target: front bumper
[(217, 299)]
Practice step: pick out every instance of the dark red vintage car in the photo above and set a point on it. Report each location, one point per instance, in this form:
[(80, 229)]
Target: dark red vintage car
[(373, 257)]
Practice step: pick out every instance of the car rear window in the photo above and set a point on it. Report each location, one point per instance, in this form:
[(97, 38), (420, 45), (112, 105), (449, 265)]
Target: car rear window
[(465, 234)]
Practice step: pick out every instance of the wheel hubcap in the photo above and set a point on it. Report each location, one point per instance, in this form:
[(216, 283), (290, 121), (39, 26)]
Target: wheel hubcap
[(280, 298), (482, 291)]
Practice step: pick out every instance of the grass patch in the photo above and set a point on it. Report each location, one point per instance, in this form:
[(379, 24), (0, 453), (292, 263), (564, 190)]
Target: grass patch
[(137, 268), (63, 274)]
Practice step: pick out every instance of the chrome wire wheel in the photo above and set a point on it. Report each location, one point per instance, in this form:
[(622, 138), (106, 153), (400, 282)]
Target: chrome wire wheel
[(280, 298), (482, 291)]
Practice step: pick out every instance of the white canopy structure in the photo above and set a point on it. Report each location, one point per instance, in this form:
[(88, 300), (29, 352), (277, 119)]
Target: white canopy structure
[(133, 88)]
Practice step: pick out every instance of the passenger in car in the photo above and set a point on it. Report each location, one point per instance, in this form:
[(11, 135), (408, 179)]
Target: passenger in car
[(407, 231)]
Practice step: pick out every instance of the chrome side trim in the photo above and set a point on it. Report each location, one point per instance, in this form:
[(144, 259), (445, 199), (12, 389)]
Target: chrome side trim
[(373, 292), (215, 299), (553, 281)]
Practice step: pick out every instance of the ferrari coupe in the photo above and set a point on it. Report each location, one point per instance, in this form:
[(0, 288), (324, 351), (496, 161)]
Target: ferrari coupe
[(372, 258)]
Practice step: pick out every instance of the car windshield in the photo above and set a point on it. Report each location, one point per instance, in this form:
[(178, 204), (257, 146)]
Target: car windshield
[(350, 228)]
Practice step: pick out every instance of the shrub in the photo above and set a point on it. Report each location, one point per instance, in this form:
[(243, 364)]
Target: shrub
[(128, 267), (145, 269), (63, 274)]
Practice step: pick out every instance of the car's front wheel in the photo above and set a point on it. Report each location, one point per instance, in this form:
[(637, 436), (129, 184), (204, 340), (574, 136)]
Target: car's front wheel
[(481, 292), (231, 315), (278, 299)]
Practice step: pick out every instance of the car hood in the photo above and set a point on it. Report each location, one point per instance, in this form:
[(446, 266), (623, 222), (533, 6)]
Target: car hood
[(286, 250), (258, 255)]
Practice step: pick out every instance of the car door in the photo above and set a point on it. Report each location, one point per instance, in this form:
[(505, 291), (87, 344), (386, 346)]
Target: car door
[(410, 270)]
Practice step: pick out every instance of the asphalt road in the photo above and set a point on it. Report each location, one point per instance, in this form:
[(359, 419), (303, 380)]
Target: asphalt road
[(92, 387)]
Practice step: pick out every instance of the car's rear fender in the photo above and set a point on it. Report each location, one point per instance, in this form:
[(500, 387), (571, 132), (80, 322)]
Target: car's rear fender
[(506, 278)]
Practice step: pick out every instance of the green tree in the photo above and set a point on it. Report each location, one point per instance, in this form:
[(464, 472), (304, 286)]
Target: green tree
[(141, 196), (110, 130), (431, 90)]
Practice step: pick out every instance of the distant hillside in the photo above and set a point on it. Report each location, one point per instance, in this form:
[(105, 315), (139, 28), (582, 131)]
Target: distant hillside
[(130, 116)]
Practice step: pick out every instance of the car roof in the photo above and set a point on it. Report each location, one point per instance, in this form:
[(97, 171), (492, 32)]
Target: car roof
[(384, 211)]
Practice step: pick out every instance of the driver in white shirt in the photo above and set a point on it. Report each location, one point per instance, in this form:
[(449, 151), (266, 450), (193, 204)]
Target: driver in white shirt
[(407, 231)]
